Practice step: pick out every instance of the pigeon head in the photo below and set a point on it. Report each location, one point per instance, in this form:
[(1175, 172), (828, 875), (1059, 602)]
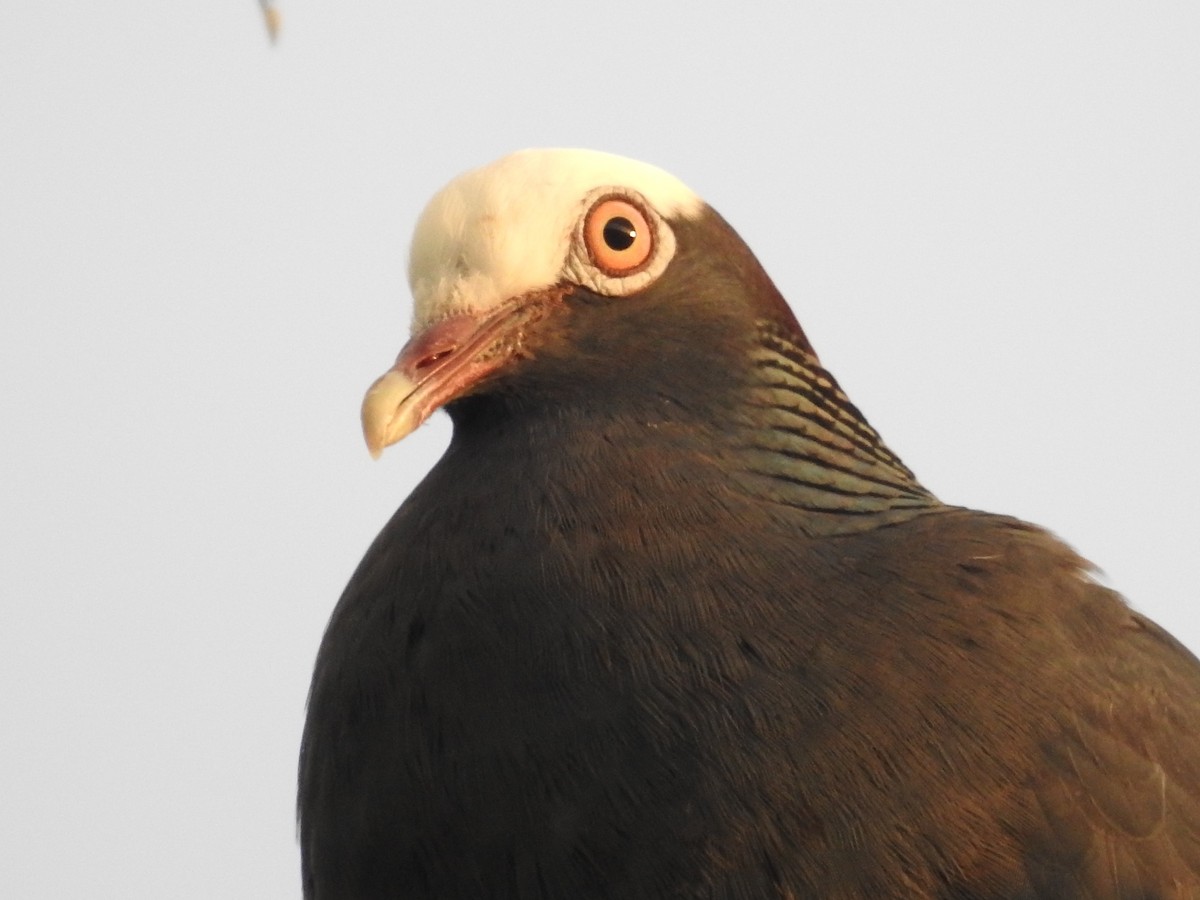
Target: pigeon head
[(584, 261)]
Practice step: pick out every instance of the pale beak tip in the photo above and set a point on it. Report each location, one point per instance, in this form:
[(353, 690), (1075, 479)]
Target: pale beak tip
[(385, 418)]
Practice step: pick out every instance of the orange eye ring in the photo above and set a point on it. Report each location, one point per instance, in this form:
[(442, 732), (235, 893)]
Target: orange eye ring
[(618, 235)]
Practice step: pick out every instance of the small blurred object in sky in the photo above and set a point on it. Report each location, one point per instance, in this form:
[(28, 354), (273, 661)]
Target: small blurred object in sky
[(272, 17)]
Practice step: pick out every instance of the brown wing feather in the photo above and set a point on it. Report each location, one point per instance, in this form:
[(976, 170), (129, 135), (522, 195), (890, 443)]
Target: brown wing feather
[(1093, 721)]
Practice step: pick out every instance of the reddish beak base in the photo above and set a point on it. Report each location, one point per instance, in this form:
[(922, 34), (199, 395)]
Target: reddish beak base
[(445, 361)]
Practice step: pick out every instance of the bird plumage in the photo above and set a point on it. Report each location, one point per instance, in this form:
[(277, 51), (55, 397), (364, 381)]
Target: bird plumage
[(668, 619)]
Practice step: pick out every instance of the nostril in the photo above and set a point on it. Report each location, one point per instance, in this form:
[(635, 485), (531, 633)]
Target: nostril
[(429, 360)]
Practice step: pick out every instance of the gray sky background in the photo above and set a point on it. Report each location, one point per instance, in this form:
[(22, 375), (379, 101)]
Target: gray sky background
[(986, 215)]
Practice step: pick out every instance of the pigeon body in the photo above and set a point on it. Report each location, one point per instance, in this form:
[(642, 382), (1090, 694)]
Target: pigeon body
[(669, 620)]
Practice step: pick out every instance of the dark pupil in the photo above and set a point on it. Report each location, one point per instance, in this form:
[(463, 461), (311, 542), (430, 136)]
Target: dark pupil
[(619, 233)]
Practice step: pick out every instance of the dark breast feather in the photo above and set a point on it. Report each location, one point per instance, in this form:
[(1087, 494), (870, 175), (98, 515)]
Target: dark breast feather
[(608, 716)]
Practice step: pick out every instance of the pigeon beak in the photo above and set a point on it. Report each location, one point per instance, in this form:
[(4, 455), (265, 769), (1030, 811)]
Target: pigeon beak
[(445, 361)]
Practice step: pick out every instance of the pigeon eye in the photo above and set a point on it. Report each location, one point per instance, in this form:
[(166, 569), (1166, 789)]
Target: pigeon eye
[(618, 236)]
